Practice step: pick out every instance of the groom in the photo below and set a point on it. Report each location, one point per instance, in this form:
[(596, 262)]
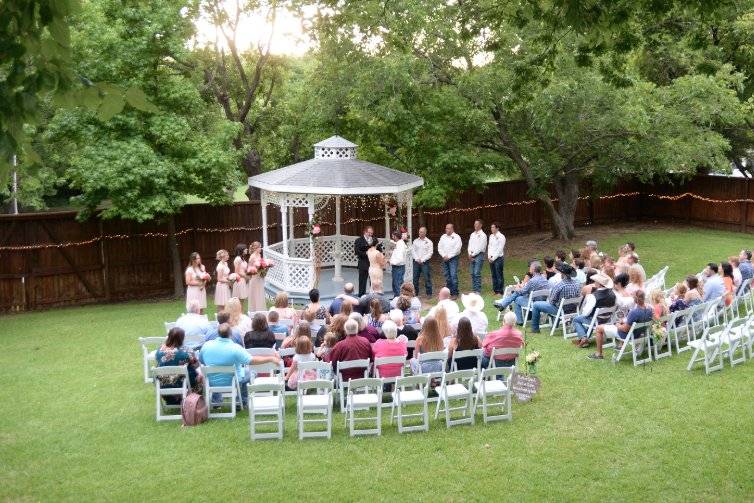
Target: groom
[(361, 245)]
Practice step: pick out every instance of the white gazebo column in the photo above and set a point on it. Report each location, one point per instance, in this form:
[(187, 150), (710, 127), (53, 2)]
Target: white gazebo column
[(387, 224), (292, 231), (310, 208), (338, 252), (284, 225), (263, 204), (410, 228)]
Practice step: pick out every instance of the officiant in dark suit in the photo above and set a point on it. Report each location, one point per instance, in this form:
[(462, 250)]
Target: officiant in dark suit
[(361, 245)]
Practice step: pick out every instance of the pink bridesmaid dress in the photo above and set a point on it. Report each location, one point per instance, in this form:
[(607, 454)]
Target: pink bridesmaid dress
[(222, 290), (196, 293), (256, 288), (239, 287)]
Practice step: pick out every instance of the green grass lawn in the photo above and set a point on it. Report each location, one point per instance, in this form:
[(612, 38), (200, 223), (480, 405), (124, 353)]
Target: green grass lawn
[(77, 422)]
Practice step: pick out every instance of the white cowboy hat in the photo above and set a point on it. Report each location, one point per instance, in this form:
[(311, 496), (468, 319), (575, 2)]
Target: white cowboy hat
[(473, 302), (602, 279)]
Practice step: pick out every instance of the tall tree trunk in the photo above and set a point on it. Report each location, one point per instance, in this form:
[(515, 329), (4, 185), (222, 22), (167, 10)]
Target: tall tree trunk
[(252, 165), (175, 259), (567, 189)]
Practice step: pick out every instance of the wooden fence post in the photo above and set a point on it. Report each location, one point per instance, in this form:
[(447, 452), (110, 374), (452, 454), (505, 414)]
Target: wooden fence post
[(104, 261), (744, 216)]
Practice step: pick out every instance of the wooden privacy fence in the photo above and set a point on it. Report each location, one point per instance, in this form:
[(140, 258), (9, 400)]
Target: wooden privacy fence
[(110, 260)]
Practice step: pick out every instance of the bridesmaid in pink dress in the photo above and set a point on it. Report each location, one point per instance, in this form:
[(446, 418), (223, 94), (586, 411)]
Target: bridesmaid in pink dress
[(256, 281), (222, 289), (196, 279), (239, 267)]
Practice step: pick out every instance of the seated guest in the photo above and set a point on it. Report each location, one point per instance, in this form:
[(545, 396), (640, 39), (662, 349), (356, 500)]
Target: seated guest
[(390, 346), (624, 302), (506, 337), (445, 301), (737, 276), (520, 296), (304, 353), (635, 280), (404, 305), (464, 340), (678, 298), (368, 332), (172, 353), (223, 317), (603, 296), (549, 267), (473, 304), (283, 309), (406, 332), (365, 301), (318, 329), (221, 352), (429, 341), (238, 321), (580, 266), (443, 324), (744, 265), (633, 262), (352, 347), (407, 291), (320, 312), (273, 318), (337, 303), (193, 323), (659, 306), (608, 267), (561, 256), (376, 317), (714, 287), (336, 326), (303, 329), (729, 288), (260, 335), (641, 313), (568, 288), (592, 246)]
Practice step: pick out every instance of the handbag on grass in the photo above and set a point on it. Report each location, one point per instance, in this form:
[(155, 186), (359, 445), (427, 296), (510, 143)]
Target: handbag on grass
[(194, 409)]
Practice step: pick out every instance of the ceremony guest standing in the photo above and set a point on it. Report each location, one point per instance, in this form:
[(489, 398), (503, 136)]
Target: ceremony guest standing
[(222, 289), (239, 267), (449, 247), (421, 251), (496, 257), (476, 249), (398, 262), (361, 246), (196, 279), (256, 281)]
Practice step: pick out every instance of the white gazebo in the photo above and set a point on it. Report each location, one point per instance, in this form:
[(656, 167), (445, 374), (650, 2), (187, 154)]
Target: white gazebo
[(334, 175)]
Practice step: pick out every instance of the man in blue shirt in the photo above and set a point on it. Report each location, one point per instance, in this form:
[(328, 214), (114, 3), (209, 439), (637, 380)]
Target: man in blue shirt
[(744, 265), (520, 296), (641, 313), (235, 334), (714, 287), (338, 301), (223, 351), (193, 323), (568, 288)]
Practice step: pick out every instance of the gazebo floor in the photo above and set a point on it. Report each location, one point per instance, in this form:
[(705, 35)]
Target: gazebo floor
[(329, 289)]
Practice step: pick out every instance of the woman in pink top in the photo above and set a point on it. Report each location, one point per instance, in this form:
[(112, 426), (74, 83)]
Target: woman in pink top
[(506, 337), (390, 347)]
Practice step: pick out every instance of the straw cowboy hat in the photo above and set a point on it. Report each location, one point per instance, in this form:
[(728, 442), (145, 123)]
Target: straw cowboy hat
[(602, 279), (472, 302)]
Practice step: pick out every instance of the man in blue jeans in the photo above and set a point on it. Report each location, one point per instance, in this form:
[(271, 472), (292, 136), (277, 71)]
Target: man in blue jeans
[(603, 296), (477, 250), (496, 258), (449, 247), (520, 296), (421, 251), (568, 288), (397, 261)]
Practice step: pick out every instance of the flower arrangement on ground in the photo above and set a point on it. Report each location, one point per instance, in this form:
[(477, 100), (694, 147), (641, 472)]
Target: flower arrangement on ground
[(531, 362)]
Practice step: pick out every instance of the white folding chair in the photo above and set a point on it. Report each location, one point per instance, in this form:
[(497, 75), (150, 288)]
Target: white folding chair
[(343, 384), (678, 328), (323, 369), (665, 341), (193, 341), (637, 340), (276, 373), (252, 313), (230, 391), (491, 386), (149, 347), (169, 325), (709, 347), (607, 314), (536, 294), (363, 395), (411, 390), (747, 334), (282, 353), (265, 400), (317, 404), (176, 372), (286, 322), (567, 310), (457, 387), (508, 290), (504, 351), (389, 360), (439, 356), (279, 337), (467, 353), (734, 340)]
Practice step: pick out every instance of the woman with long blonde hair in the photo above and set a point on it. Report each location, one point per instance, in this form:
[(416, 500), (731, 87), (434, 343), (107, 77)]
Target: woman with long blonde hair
[(443, 324), (238, 320), (283, 308), (222, 288), (429, 341)]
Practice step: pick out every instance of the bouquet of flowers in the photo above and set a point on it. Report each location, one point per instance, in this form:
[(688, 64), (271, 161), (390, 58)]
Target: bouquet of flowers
[(202, 276), (232, 278), (531, 362), (260, 267)]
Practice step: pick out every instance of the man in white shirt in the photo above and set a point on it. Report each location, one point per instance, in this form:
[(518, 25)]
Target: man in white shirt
[(193, 323), (496, 257), (476, 249), (421, 251), (449, 248), (397, 261)]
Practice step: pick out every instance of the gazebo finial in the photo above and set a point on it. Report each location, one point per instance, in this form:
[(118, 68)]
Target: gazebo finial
[(335, 147)]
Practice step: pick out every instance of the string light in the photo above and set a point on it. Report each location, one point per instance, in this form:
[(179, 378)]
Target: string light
[(362, 202)]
